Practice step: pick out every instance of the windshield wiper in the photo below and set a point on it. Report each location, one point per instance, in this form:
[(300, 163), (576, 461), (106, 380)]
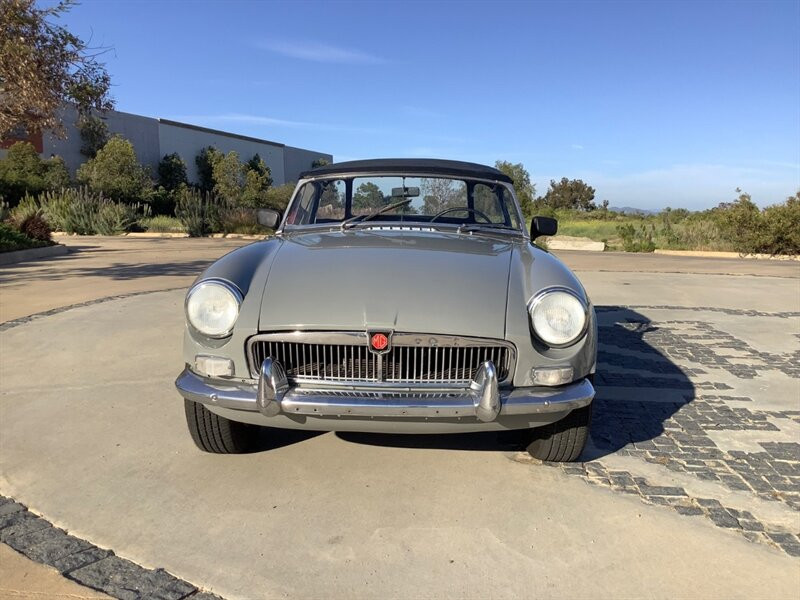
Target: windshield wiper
[(353, 221)]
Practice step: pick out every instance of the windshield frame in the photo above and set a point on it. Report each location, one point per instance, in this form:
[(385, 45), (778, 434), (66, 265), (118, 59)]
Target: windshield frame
[(286, 228)]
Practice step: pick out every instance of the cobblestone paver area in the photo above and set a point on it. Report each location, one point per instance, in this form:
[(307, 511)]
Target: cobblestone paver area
[(85, 563), (700, 419)]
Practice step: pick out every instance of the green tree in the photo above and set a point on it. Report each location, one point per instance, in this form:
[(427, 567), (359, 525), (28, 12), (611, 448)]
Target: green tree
[(740, 223), (320, 162), (43, 66), (56, 175), (116, 172), (22, 172), (775, 230), (367, 197), (172, 172), (229, 178), (257, 164), (205, 161), (257, 181), (570, 194), (782, 227), (94, 134), (524, 189)]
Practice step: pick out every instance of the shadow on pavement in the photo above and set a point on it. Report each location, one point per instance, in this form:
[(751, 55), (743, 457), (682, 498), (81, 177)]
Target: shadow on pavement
[(117, 271), (270, 438), (638, 389)]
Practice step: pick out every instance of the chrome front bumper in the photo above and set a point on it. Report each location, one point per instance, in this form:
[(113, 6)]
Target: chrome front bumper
[(483, 400)]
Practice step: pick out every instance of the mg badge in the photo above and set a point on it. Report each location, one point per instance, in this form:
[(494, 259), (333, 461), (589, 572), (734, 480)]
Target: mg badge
[(380, 342)]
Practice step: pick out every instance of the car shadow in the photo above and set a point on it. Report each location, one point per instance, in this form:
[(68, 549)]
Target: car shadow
[(271, 438), (638, 389)]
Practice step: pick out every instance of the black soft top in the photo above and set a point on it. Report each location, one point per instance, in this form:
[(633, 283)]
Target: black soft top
[(401, 166)]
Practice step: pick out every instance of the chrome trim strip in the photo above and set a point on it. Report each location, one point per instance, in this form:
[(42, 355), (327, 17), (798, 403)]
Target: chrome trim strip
[(242, 395)]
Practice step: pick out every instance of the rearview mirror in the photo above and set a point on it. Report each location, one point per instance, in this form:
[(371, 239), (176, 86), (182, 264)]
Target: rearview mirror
[(543, 226), (405, 192), (268, 217)]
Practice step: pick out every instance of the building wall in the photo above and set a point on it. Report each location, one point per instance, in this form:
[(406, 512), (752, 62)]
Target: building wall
[(189, 140), (141, 131), (154, 138), (297, 160)]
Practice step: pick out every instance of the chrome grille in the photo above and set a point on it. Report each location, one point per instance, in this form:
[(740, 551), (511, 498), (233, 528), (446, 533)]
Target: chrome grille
[(412, 358)]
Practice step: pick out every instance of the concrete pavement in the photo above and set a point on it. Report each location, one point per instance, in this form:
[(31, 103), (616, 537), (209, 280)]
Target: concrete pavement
[(99, 448), (99, 267)]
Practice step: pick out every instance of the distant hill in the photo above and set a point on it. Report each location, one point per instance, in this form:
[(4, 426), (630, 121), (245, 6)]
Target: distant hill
[(630, 210)]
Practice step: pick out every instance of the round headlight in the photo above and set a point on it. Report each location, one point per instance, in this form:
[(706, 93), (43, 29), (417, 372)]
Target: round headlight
[(212, 308), (558, 317)]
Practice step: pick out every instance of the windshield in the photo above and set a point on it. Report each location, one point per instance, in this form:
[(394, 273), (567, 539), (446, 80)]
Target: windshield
[(420, 200)]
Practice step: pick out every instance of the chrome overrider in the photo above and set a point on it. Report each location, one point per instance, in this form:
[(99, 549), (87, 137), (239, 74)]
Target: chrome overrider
[(483, 399)]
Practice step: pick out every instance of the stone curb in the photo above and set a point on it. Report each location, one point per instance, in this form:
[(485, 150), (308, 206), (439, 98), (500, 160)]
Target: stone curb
[(156, 234), (17, 256), (240, 236), (711, 254), (85, 563)]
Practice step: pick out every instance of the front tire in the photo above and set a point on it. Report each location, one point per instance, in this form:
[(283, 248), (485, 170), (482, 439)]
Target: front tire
[(215, 434), (564, 440)]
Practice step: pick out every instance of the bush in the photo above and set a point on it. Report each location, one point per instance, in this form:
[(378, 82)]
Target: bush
[(162, 202), (239, 220), (114, 218), (36, 228), (70, 210), (80, 211), (11, 239), (775, 230), (27, 207), (56, 175), (637, 239), (116, 173), (782, 234), (278, 197), (162, 224), (197, 211)]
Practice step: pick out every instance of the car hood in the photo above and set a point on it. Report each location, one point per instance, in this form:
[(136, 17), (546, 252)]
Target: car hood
[(403, 280)]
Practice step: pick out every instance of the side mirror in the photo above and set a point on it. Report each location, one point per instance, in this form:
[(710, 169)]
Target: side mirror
[(543, 226), (268, 217)]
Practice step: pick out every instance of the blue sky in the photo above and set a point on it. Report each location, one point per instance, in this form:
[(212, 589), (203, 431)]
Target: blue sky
[(653, 103)]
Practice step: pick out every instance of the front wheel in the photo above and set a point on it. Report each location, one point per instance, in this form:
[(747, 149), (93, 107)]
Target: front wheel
[(562, 441), (216, 434)]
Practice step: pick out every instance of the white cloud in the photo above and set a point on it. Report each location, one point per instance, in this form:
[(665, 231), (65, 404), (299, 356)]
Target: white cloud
[(317, 52), (577, 147), (262, 121)]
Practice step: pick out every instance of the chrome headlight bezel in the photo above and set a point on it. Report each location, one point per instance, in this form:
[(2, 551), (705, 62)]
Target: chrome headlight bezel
[(230, 288), (537, 299)]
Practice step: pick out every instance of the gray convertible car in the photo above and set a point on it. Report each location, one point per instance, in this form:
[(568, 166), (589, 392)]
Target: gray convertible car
[(397, 296)]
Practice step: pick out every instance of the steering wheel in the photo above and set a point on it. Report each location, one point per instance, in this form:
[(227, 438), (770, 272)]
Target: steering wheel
[(474, 211)]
